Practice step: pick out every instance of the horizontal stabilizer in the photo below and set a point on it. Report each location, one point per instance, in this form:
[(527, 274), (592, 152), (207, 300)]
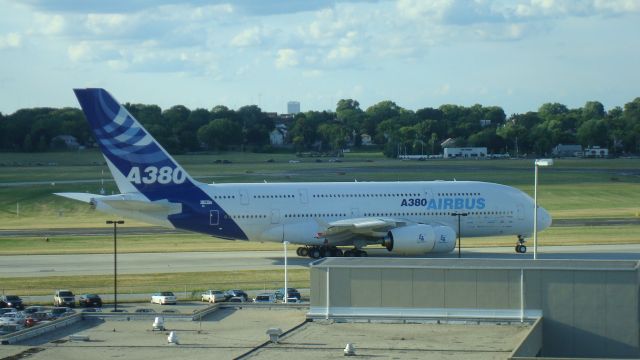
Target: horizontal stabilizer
[(84, 197)]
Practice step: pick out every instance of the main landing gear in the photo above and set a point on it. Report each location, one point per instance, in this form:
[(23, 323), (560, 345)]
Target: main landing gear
[(520, 247), (317, 252)]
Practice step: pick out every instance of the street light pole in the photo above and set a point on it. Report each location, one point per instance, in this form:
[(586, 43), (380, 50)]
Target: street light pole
[(459, 215), (115, 261), (538, 162), (286, 288)]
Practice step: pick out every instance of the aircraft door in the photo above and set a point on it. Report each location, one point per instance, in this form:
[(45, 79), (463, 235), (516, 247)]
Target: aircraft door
[(304, 198), (244, 197), (214, 217), (275, 216), (355, 212), (520, 211)]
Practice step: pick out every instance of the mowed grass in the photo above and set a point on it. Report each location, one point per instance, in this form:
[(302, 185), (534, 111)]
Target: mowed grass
[(192, 283), (156, 243)]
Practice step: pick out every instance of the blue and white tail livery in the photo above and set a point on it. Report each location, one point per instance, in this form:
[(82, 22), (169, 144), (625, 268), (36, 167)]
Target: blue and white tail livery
[(407, 218)]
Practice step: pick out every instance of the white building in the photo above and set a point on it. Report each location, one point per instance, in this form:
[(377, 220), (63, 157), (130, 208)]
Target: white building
[(278, 135), (465, 153), (596, 151)]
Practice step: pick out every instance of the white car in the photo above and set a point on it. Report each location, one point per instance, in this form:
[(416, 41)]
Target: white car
[(13, 318), (213, 296), (163, 298)]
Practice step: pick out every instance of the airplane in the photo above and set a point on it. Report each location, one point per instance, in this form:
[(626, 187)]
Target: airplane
[(406, 218)]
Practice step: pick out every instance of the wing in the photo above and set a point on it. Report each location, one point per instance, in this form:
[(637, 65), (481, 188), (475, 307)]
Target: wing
[(367, 227)]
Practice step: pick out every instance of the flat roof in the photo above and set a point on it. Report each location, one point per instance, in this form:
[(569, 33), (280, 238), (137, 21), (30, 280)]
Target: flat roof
[(229, 333), (327, 340), (548, 264)]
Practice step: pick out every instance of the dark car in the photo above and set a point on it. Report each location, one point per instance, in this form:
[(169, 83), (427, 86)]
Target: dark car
[(291, 293), (90, 300), (12, 301), (58, 312), (236, 293)]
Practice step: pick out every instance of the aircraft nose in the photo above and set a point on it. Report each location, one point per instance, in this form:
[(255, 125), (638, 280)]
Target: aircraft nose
[(544, 219)]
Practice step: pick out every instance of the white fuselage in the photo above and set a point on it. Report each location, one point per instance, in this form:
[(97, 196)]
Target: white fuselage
[(492, 209)]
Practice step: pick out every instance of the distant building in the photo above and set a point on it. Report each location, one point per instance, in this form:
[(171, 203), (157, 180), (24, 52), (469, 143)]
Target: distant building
[(465, 153), (293, 107), (68, 141), (485, 122), (596, 151), (278, 135), (569, 150)]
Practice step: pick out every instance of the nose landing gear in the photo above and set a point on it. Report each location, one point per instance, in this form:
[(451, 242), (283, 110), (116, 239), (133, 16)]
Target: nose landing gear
[(520, 247)]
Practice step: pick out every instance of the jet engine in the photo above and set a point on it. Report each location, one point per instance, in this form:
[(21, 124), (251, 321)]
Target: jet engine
[(420, 239)]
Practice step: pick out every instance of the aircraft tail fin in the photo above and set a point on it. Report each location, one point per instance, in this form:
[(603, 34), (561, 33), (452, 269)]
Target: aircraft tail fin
[(137, 161)]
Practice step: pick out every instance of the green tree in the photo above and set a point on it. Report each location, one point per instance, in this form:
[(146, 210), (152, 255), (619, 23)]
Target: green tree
[(220, 134), (593, 132)]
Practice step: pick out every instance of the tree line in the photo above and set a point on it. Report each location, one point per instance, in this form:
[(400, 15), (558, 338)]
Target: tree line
[(389, 126)]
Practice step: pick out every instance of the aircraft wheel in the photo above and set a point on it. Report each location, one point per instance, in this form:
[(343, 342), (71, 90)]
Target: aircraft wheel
[(304, 251), (324, 252), (523, 249), (348, 253), (338, 252), (298, 251), (364, 254), (314, 253), (518, 249)]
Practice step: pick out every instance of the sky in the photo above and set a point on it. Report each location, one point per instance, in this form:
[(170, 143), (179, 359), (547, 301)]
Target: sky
[(517, 54)]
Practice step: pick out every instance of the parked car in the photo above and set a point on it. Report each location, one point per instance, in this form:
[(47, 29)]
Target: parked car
[(11, 301), (237, 299), (164, 298), (236, 293), (265, 298), (37, 318), (12, 318), (291, 293), (7, 310), (213, 296), (58, 312), (90, 300), (33, 309), (64, 298)]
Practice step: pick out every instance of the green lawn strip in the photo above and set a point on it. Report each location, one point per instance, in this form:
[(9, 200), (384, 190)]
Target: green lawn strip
[(189, 283), (161, 243)]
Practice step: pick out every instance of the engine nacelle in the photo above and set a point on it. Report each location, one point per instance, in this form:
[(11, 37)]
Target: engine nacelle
[(420, 239)]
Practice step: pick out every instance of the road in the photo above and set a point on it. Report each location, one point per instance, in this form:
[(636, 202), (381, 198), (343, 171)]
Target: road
[(145, 263)]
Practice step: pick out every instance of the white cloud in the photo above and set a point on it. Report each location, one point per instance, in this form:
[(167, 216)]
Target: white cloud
[(248, 37), (10, 40), (107, 23), (287, 58), (80, 52), (49, 24)]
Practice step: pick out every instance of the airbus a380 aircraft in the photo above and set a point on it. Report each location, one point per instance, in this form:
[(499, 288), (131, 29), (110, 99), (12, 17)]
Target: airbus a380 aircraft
[(408, 218)]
